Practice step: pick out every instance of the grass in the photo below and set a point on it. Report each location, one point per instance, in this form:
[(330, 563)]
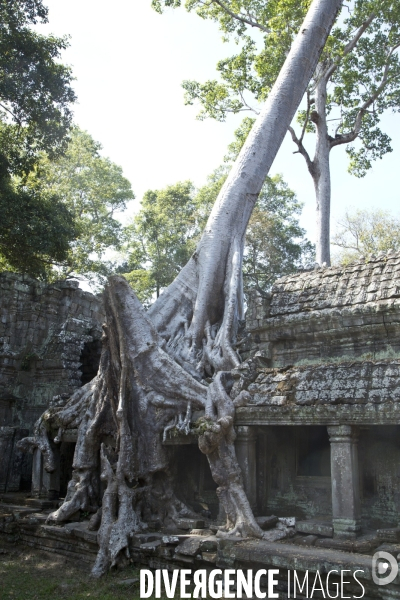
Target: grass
[(29, 574)]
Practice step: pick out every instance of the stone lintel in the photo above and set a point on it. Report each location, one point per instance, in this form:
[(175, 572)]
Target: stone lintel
[(336, 414)]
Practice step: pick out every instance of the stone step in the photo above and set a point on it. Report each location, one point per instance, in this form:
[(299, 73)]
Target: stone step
[(21, 499)]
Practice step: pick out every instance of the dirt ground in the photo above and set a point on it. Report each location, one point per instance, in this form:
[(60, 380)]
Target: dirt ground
[(30, 574)]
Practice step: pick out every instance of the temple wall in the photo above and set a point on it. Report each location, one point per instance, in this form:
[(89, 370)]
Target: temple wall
[(333, 312), (49, 342), (326, 358)]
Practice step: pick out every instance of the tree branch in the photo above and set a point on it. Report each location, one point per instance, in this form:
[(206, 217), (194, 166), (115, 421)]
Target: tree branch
[(248, 107), (350, 46), (306, 119), (249, 21), (352, 135), (12, 114), (302, 150)]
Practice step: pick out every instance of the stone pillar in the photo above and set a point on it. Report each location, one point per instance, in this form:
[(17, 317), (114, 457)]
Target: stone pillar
[(37, 469), (246, 454), (51, 481), (7, 435), (346, 511), (44, 484)]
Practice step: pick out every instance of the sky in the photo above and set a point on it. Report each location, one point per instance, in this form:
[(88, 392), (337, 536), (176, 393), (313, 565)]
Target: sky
[(129, 63)]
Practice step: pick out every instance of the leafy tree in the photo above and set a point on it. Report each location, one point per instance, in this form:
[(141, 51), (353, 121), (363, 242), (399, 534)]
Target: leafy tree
[(35, 91), (356, 80), (35, 230), (275, 243), (161, 239), (165, 232), (92, 189), (364, 232), (157, 365), (35, 96)]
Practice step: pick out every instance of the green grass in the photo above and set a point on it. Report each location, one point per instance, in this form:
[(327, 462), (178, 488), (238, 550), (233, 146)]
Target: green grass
[(28, 574)]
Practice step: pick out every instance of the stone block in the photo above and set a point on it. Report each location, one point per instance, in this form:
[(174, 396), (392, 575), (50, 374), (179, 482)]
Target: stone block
[(389, 535), (315, 527), (267, 522), (190, 547), (190, 524)]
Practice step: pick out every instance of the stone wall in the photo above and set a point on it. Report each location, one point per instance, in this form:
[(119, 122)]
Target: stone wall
[(330, 312), (368, 388), (327, 364), (49, 341)]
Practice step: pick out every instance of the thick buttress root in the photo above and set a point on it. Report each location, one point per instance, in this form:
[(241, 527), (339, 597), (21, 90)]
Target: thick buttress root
[(121, 416), (217, 442)]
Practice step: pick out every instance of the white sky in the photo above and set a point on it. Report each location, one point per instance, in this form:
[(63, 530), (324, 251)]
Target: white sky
[(129, 63)]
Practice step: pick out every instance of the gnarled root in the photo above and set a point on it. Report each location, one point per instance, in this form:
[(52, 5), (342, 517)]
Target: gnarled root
[(217, 442)]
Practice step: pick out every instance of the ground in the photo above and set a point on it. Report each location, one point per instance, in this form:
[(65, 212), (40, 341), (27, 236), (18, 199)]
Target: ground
[(30, 574)]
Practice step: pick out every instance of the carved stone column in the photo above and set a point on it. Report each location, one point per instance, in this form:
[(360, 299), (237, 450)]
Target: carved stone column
[(37, 468), (44, 484), (346, 511), (6, 450), (245, 446), (51, 481)]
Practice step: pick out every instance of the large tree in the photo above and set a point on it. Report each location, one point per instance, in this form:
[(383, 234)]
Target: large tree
[(93, 190), (154, 363), (364, 233), (355, 81), (35, 116), (164, 234), (35, 87), (59, 220), (35, 230), (161, 239)]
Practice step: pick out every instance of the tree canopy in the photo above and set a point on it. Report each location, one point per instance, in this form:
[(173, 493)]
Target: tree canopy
[(35, 88), (365, 233), (356, 80), (35, 117), (35, 230), (164, 234), (161, 239), (92, 189)]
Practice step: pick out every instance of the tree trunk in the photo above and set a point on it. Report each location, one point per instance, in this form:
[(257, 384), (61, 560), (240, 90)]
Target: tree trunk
[(321, 175), (155, 364)]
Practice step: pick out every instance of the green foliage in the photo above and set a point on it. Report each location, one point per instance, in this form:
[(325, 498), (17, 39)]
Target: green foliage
[(275, 242), (370, 71), (161, 239), (35, 92), (30, 574), (35, 230), (389, 353), (364, 83), (35, 96), (92, 189), (363, 232), (254, 68), (165, 232)]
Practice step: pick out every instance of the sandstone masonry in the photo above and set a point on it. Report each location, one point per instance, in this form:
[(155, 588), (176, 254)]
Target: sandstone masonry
[(49, 345)]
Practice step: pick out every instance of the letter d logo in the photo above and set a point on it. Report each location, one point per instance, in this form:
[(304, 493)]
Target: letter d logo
[(381, 561)]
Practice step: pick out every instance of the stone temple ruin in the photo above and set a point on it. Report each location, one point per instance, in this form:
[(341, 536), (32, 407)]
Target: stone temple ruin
[(49, 345), (318, 445)]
